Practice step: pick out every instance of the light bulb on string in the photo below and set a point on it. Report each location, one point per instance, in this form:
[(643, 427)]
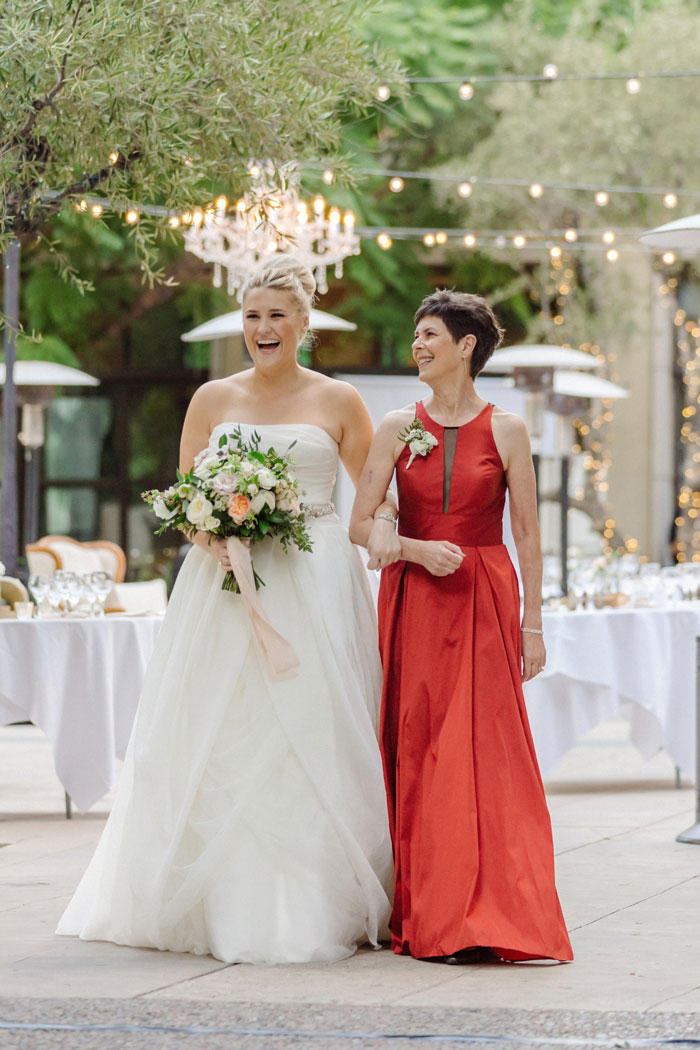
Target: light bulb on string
[(536, 190), (328, 177), (383, 92), (114, 156), (633, 85), (464, 189), (429, 240), (550, 71), (396, 184), (670, 200), (96, 210), (186, 217), (555, 251), (132, 216), (570, 236), (470, 240), (466, 91), (319, 205), (173, 222), (441, 237), (608, 237), (255, 171), (82, 206), (669, 258), (384, 241), (222, 203), (601, 198), (612, 255), (519, 241)]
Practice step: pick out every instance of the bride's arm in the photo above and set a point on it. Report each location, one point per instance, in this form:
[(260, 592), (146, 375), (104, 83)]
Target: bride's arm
[(356, 441), (366, 529), (195, 437)]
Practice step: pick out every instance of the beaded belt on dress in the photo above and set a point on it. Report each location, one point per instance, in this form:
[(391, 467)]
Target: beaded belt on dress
[(318, 510)]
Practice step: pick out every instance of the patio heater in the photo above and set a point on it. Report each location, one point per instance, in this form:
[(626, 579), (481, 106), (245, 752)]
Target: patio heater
[(36, 383), (534, 369)]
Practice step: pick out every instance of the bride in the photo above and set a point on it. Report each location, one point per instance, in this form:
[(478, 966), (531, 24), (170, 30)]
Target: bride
[(250, 820)]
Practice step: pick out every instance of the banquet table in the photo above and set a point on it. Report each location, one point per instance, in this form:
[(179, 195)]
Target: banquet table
[(638, 663), (79, 681)]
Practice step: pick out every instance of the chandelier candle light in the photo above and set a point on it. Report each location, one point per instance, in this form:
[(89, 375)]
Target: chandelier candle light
[(267, 220)]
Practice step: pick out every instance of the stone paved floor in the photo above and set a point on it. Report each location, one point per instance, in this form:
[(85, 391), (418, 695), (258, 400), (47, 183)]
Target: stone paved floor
[(630, 893)]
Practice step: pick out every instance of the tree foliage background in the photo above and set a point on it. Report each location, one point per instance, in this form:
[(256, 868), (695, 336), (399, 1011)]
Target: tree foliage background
[(191, 94)]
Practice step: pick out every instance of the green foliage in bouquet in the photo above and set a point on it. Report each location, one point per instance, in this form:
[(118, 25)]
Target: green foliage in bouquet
[(235, 490)]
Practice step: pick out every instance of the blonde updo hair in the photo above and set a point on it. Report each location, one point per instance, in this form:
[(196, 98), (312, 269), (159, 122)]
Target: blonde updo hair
[(286, 274)]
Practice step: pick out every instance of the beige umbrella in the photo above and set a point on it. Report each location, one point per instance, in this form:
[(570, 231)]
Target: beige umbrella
[(232, 324), (679, 234)]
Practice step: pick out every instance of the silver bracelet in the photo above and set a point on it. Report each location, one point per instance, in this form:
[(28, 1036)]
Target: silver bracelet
[(389, 517), (531, 630)]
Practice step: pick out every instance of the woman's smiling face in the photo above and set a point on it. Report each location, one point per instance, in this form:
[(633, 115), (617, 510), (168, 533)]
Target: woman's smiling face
[(435, 351), (273, 326)]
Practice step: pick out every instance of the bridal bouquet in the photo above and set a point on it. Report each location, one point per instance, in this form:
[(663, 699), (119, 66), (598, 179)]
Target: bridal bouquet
[(235, 491)]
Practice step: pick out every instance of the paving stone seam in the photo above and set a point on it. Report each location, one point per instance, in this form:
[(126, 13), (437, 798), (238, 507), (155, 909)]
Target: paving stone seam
[(182, 980), (670, 998), (642, 900)]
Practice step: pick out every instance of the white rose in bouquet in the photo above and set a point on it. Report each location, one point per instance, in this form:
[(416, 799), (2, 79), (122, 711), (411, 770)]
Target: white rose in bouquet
[(247, 468), (252, 489), (183, 491), (261, 500), (204, 467), (199, 510), (210, 523), (266, 479), (225, 483), (160, 509)]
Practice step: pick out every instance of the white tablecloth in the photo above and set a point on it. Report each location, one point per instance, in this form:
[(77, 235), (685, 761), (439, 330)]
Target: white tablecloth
[(79, 681), (638, 663)]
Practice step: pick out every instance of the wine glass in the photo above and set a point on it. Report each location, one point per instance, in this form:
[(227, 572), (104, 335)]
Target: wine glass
[(39, 585), (91, 595), (101, 583), (54, 596), (69, 587)]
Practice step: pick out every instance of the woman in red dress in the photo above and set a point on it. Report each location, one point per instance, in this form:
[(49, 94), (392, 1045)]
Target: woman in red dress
[(469, 821)]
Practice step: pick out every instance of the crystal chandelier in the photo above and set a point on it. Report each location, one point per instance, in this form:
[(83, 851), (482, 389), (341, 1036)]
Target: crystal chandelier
[(267, 220)]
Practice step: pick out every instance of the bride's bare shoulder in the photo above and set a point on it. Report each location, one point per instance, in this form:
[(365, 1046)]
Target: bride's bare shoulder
[(217, 390)]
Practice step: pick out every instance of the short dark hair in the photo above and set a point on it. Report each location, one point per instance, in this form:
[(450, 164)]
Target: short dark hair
[(465, 314)]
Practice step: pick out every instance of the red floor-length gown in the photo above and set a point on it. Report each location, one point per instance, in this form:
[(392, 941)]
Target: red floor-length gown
[(469, 821)]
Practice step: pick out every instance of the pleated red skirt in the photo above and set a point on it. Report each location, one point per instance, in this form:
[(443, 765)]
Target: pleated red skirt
[(469, 821)]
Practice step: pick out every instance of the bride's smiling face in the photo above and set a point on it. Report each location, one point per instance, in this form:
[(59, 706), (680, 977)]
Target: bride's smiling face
[(273, 326)]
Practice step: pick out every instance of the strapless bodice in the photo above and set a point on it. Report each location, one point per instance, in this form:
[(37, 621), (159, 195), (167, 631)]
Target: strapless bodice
[(315, 452)]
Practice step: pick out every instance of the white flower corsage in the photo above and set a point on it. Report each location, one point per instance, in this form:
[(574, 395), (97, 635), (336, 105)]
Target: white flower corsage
[(419, 440)]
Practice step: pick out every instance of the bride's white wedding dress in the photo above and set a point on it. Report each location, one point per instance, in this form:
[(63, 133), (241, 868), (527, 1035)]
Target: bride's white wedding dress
[(250, 820)]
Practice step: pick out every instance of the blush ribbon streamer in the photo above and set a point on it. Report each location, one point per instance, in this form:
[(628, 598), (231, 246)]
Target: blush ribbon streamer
[(280, 659)]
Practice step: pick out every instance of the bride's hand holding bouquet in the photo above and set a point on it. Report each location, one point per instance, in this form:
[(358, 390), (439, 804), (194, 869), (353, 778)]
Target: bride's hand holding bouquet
[(235, 491)]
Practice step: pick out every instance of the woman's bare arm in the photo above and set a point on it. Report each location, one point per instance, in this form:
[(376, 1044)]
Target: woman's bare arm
[(439, 557), (513, 444)]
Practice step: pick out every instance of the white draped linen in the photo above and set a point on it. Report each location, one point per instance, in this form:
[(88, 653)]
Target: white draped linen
[(79, 681), (637, 663)]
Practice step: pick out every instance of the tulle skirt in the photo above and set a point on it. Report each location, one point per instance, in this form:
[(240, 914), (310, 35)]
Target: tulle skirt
[(250, 820)]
